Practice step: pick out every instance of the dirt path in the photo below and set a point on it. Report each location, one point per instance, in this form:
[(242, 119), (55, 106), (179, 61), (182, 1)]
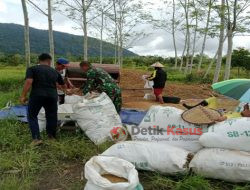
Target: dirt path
[(67, 175), (132, 79)]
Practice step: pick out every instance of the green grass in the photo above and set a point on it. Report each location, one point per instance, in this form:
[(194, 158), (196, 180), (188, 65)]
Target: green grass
[(193, 183), (11, 182), (12, 96), (11, 81), (24, 166), (179, 77), (59, 164)]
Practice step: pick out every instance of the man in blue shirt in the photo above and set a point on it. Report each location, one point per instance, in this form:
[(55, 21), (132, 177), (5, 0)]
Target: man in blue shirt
[(61, 66)]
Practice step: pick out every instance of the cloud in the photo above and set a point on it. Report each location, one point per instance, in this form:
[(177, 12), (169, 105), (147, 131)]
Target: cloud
[(161, 43), (11, 12), (3, 7), (12, 2)]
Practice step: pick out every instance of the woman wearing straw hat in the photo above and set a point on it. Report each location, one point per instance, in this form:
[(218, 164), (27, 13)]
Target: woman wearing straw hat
[(159, 76)]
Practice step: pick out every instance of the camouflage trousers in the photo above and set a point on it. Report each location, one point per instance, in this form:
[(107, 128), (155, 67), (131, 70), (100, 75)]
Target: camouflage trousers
[(114, 93)]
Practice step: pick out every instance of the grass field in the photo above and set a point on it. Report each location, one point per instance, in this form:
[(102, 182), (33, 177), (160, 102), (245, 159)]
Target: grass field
[(59, 164)]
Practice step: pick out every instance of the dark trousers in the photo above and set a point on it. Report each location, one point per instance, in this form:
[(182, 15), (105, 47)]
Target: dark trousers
[(50, 106)]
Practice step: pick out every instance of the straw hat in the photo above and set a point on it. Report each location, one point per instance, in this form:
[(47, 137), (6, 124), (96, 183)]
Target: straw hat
[(157, 64), (200, 116), (192, 102)]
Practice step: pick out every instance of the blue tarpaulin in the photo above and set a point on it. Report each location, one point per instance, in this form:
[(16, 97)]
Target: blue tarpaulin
[(20, 113), (15, 112), (132, 116)]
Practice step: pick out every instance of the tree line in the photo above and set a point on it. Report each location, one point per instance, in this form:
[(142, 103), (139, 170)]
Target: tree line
[(240, 61), (123, 22), (200, 20), (112, 17)]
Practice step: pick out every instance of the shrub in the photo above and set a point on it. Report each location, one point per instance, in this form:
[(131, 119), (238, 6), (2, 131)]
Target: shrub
[(198, 78)]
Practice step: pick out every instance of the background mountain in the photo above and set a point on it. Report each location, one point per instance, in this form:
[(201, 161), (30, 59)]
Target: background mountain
[(12, 41)]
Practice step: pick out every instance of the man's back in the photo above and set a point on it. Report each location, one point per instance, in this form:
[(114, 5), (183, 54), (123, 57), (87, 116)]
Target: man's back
[(160, 79), (44, 80)]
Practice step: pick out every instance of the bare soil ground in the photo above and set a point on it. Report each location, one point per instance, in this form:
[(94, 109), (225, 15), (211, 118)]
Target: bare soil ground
[(132, 79), (68, 175)]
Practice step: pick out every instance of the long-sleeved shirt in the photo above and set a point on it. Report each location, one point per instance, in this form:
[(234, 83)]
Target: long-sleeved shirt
[(159, 77)]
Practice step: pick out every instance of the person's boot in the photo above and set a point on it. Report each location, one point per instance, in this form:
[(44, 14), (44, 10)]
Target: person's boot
[(188, 107), (36, 142), (203, 103)]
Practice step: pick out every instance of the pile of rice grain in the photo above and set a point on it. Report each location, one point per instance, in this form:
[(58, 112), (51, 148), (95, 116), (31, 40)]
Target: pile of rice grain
[(114, 179)]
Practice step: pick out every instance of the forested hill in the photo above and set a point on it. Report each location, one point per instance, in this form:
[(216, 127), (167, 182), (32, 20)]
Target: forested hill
[(12, 41)]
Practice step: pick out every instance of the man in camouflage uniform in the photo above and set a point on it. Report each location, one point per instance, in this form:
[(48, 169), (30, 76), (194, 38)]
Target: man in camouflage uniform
[(100, 81)]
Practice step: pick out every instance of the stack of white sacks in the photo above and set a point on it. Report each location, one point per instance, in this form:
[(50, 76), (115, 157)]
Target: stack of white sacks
[(96, 116), (164, 142), (221, 151), (226, 154)]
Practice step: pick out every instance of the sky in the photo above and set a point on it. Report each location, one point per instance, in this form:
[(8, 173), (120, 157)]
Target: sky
[(158, 42)]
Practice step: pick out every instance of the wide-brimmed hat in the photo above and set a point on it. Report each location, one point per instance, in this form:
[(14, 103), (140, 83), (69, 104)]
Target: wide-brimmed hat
[(201, 116), (192, 102), (157, 64)]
